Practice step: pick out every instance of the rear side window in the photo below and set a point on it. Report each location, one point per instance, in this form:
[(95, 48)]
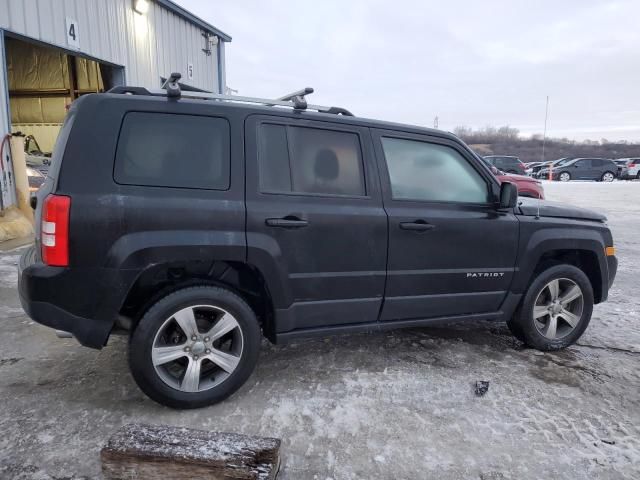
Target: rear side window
[(61, 144), (165, 150), (310, 160)]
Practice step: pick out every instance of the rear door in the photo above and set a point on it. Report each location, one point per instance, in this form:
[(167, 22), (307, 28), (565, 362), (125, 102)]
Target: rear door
[(450, 251), (315, 220)]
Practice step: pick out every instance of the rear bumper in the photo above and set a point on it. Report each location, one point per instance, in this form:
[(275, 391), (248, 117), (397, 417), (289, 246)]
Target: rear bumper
[(46, 294)]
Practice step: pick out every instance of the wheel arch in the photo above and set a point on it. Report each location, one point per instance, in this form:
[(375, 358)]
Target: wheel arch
[(582, 248), (585, 260), (160, 279)]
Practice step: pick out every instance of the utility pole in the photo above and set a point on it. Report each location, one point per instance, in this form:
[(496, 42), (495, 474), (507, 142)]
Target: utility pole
[(544, 135)]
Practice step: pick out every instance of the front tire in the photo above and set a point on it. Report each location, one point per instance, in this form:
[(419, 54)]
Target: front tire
[(565, 177), (555, 310), (194, 347)]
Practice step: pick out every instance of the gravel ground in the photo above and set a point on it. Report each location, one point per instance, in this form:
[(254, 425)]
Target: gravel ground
[(395, 405)]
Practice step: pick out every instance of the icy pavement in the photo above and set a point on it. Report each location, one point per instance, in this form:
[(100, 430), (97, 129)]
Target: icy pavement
[(396, 405)]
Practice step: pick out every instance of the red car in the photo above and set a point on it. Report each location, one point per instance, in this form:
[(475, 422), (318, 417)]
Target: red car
[(527, 186)]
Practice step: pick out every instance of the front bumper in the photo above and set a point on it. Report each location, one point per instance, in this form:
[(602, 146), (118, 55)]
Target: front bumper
[(612, 267), (58, 298)]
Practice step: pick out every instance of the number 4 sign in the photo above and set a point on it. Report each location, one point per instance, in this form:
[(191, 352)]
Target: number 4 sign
[(73, 40)]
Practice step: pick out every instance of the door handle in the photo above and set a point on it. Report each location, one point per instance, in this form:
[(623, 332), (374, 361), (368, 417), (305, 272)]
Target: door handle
[(417, 226), (286, 222)]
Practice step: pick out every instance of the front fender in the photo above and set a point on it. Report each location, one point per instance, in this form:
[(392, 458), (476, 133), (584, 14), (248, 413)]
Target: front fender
[(546, 235)]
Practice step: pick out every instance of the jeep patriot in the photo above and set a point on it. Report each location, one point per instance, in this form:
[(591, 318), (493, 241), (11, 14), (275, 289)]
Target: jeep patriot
[(210, 221)]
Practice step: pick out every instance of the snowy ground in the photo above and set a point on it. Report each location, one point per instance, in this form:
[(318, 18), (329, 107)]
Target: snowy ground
[(397, 405)]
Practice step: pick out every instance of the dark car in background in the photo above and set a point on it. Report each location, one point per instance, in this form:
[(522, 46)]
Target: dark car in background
[(506, 163), (543, 171), (600, 169), (530, 166), (535, 170)]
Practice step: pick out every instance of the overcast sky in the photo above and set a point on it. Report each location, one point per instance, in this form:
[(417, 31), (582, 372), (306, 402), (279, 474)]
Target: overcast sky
[(470, 62)]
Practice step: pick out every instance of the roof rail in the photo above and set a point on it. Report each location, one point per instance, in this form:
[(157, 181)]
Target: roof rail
[(171, 89)]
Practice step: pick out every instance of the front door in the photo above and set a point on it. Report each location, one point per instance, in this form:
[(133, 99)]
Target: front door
[(583, 169), (451, 252), (315, 220)]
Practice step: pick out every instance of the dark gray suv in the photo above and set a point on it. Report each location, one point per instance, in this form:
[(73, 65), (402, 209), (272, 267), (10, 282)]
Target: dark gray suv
[(599, 169), (506, 163)]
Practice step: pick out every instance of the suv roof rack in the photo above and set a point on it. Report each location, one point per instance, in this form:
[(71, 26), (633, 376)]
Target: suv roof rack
[(171, 89)]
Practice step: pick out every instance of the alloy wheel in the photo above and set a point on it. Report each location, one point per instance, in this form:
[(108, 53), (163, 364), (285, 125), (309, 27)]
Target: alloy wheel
[(558, 308), (565, 177), (197, 348), (607, 177)]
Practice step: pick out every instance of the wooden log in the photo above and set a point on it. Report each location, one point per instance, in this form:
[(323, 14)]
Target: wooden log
[(146, 452)]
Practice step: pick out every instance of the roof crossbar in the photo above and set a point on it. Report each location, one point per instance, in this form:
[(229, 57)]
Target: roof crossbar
[(298, 98), (171, 89)]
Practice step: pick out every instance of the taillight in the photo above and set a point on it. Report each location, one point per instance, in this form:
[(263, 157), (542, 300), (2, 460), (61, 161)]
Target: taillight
[(54, 233)]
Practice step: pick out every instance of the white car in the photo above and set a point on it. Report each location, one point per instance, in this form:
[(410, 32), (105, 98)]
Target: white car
[(631, 170)]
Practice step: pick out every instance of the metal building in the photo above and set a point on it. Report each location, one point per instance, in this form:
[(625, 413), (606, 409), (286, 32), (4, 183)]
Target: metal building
[(52, 51)]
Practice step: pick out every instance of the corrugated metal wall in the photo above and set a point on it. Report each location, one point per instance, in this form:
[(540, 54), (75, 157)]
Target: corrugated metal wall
[(148, 46)]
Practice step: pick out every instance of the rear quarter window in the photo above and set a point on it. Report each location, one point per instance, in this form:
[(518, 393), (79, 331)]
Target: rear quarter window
[(169, 150), (61, 144)]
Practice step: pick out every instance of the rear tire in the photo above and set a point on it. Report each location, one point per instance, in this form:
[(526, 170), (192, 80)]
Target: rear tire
[(608, 177), (545, 322), (194, 347)]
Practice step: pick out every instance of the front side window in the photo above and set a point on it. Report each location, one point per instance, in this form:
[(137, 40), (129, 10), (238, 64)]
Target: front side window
[(431, 172), (310, 160), (186, 151)]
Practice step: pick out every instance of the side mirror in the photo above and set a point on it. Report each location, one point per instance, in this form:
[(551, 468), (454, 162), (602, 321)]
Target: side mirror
[(508, 195), (494, 170)]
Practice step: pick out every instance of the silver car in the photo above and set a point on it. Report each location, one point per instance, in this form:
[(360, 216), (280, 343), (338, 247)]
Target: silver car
[(631, 168)]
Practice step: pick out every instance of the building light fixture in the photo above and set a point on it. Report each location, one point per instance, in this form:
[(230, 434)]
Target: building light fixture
[(141, 6)]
